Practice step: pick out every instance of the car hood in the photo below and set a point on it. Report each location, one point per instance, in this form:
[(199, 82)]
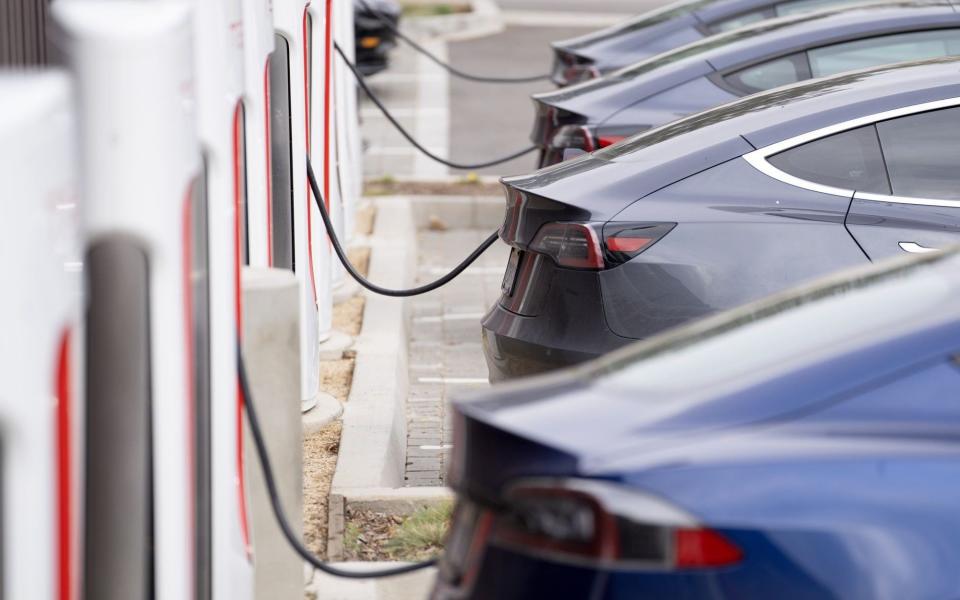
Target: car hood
[(747, 369)]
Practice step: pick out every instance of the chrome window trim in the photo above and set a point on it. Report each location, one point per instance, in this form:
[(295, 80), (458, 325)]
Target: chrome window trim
[(758, 158)]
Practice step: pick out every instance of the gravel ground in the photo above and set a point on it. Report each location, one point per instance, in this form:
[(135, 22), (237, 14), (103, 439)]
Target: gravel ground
[(320, 450)]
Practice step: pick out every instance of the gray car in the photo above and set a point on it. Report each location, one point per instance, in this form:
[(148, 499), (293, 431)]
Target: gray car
[(738, 63), (724, 207)]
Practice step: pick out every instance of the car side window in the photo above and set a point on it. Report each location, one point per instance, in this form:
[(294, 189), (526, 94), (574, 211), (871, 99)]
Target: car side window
[(771, 74), (900, 47), (851, 160), (922, 153), (741, 20)]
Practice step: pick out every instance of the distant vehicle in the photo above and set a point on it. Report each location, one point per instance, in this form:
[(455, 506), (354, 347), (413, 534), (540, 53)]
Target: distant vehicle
[(802, 447), (374, 40), (666, 28), (725, 67), (725, 207)]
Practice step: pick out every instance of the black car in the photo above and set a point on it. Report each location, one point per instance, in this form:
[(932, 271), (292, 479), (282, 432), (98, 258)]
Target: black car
[(663, 29), (723, 207), (725, 67), (374, 39)]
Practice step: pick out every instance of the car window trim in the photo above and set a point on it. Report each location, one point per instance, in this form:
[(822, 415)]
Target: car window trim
[(719, 77), (758, 158)]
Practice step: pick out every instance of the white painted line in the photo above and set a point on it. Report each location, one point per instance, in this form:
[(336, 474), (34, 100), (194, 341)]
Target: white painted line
[(453, 380), (400, 150), (371, 113), (406, 78), (469, 271), (449, 317), (443, 447), (553, 18)]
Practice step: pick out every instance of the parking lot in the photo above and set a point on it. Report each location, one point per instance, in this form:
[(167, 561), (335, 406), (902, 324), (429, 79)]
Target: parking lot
[(480, 300)]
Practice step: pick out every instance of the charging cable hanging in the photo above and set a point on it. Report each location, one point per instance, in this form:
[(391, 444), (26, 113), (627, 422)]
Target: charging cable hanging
[(342, 255), (433, 57), (277, 506), (363, 85)]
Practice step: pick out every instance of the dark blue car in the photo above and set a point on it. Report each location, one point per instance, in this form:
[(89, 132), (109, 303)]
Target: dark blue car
[(804, 447), (725, 207), (663, 29), (725, 67)]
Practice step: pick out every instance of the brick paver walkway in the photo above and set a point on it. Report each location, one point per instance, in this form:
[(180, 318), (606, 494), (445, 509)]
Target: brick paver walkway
[(445, 351)]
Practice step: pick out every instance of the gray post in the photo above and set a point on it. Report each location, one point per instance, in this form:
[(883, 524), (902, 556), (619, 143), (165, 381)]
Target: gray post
[(271, 349)]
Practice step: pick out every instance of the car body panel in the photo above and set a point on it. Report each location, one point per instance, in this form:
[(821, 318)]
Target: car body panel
[(881, 227), (818, 431)]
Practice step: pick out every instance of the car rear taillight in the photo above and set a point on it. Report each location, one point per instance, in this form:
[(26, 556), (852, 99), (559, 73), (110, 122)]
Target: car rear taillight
[(624, 241), (596, 246), (604, 523), (571, 245), (614, 134)]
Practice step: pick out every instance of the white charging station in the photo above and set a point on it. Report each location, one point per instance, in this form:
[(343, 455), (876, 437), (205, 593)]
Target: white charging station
[(289, 102), (320, 37), (257, 33), (347, 124), (41, 347), (224, 557), (352, 116), (148, 329)]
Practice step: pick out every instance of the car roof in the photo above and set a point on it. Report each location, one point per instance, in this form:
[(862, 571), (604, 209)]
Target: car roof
[(785, 112), (660, 157)]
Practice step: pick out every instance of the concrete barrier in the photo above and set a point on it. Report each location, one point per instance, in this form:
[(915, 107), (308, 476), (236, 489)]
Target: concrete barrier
[(271, 350)]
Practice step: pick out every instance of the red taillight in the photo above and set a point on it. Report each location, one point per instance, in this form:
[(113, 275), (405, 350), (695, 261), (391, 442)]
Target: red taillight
[(624, 241), (609, 140), (571, 245), (607, 524), (703, 548)]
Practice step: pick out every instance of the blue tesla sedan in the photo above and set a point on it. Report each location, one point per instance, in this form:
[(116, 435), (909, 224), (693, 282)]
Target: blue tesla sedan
[(803, 447), (725, 207), (732, 65)]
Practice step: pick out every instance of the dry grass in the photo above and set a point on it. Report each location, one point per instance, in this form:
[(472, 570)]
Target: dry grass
[(387, 187), (375, 536), (319, 462), (336, 377)]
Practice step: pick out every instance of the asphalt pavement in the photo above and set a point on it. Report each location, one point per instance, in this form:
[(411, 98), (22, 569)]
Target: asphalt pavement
[(488, 121)]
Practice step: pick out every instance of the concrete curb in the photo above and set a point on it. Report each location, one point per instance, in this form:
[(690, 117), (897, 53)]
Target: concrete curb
[(458, 212), (485, 19), (374, 424), (405, 587)]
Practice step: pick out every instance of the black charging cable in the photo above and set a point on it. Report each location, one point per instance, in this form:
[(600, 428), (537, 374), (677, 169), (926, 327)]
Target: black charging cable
[(277, 505), (386, 112), (342, 255), (388, 23)]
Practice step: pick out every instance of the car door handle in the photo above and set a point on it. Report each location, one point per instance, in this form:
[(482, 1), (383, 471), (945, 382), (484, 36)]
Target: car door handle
[(914, 248)]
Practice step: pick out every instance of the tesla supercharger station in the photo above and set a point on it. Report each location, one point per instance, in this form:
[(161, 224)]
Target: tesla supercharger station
[(348, 133), (223, 557), (146, 516), (292, 216), (41, 345), (258, 36)]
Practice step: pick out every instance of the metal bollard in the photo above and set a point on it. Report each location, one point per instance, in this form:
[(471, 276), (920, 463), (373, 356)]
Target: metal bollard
[(257, 47), (289, 132), (148, 344), (271, 349), (41, 412)]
